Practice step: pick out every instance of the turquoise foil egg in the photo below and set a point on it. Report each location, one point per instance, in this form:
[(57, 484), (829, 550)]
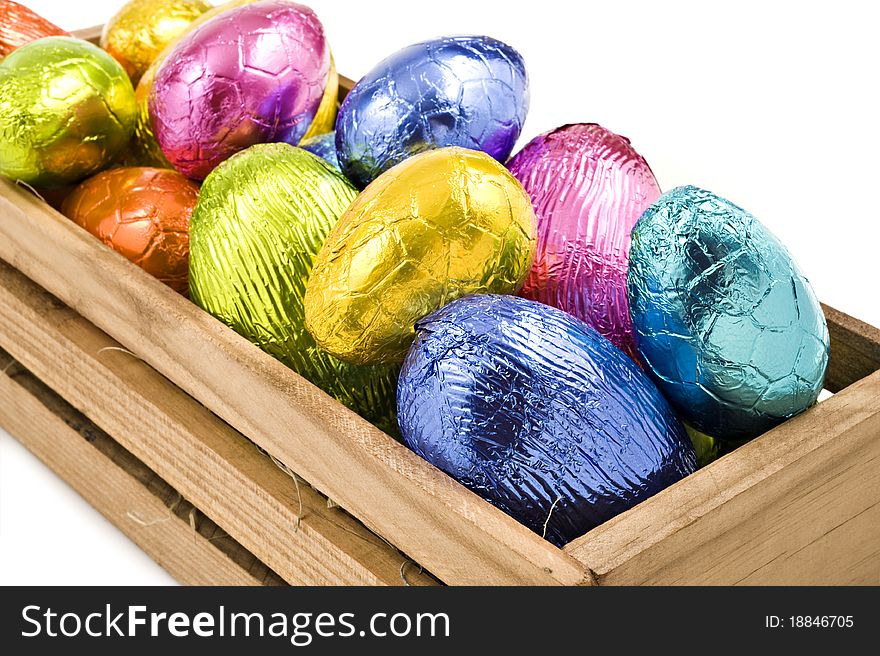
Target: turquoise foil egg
[(725, 322)]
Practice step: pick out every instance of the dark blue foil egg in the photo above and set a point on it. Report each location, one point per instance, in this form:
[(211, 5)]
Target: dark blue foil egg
[(537, 413), (468, 91), (324, 146), (724, 320)]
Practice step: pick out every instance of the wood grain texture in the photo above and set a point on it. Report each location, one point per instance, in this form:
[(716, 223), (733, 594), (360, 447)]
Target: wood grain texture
[(439, 523), (855, 349), (201, 456), (798, 505), (192, 548)]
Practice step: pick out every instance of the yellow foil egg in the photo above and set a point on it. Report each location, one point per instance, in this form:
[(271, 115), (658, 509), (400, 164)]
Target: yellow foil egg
[(443, 224), (66, 111), (143, 28), (325, 117), (145, 149)]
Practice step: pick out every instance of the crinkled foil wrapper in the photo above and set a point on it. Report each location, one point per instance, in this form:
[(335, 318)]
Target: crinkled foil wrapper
[(143, 213), (469, 91), (145, 150), (260, 221), (324, 146), (724, 320), (441, 225), (538, 414), (589, 186), (253, 74), (19, 25), (143, 28), (66, 111), (325, 118)]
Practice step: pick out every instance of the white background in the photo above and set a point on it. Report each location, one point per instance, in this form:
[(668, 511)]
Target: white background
[(771, 104)]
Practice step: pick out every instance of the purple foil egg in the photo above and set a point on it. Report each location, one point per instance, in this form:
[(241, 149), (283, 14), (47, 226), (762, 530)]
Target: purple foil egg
[(589, 187), (254, 74)]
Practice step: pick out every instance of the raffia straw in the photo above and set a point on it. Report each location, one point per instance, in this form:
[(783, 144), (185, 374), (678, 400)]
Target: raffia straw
[(134, 516), (192, 522), (22, 183), (332, 504), (287, 470), (547, 521), (403, 571), (119, 349)]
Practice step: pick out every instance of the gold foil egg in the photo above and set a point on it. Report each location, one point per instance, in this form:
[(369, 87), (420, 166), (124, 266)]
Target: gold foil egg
[(260, 221), (143, 28), (325, 117), (66, 110), (443, 224)]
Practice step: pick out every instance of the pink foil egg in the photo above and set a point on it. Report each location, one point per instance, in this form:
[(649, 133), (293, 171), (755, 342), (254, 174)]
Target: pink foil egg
[(254, 74), (588, 186)]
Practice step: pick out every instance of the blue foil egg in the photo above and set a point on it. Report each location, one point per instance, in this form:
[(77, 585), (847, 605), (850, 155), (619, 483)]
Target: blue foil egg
[(537, 413), (724, 320), (468, 91), (324, 146)]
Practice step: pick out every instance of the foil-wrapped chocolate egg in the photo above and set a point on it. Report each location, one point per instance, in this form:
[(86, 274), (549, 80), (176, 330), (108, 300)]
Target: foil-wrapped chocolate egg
[(724, 320), (139, 31), (19, 25), (253, 74), (469, 91), (144, 150), (589, 186), (324, 146), (324, 120), (66, 111), (440, 225), (142, 213), (537, 413), (260, 221)]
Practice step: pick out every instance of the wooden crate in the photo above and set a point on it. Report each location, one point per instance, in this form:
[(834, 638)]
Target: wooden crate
[(190, 399)]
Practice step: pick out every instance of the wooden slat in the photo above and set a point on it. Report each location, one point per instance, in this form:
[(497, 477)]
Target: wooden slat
[(855, 349), (442, 525), (451, 531), (151, 513), (201, 456), (797, 505)]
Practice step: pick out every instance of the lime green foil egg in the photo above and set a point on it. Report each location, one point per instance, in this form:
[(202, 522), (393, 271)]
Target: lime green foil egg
[(261, 219), (66, 111)]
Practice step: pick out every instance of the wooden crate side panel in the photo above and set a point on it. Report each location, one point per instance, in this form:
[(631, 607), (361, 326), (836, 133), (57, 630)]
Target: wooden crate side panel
[(793, 506), (193, 549), (210, 463), (855, 349), (449, 530)]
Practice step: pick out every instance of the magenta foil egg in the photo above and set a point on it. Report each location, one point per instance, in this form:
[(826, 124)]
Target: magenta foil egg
[(254, 74), (588, 186)]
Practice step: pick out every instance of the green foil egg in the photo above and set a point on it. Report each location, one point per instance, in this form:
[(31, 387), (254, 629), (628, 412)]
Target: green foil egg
[(66, 111), (261, 219)]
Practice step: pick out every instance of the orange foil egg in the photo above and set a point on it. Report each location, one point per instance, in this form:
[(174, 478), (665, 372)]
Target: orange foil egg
[(19, 25), (142, 213)]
